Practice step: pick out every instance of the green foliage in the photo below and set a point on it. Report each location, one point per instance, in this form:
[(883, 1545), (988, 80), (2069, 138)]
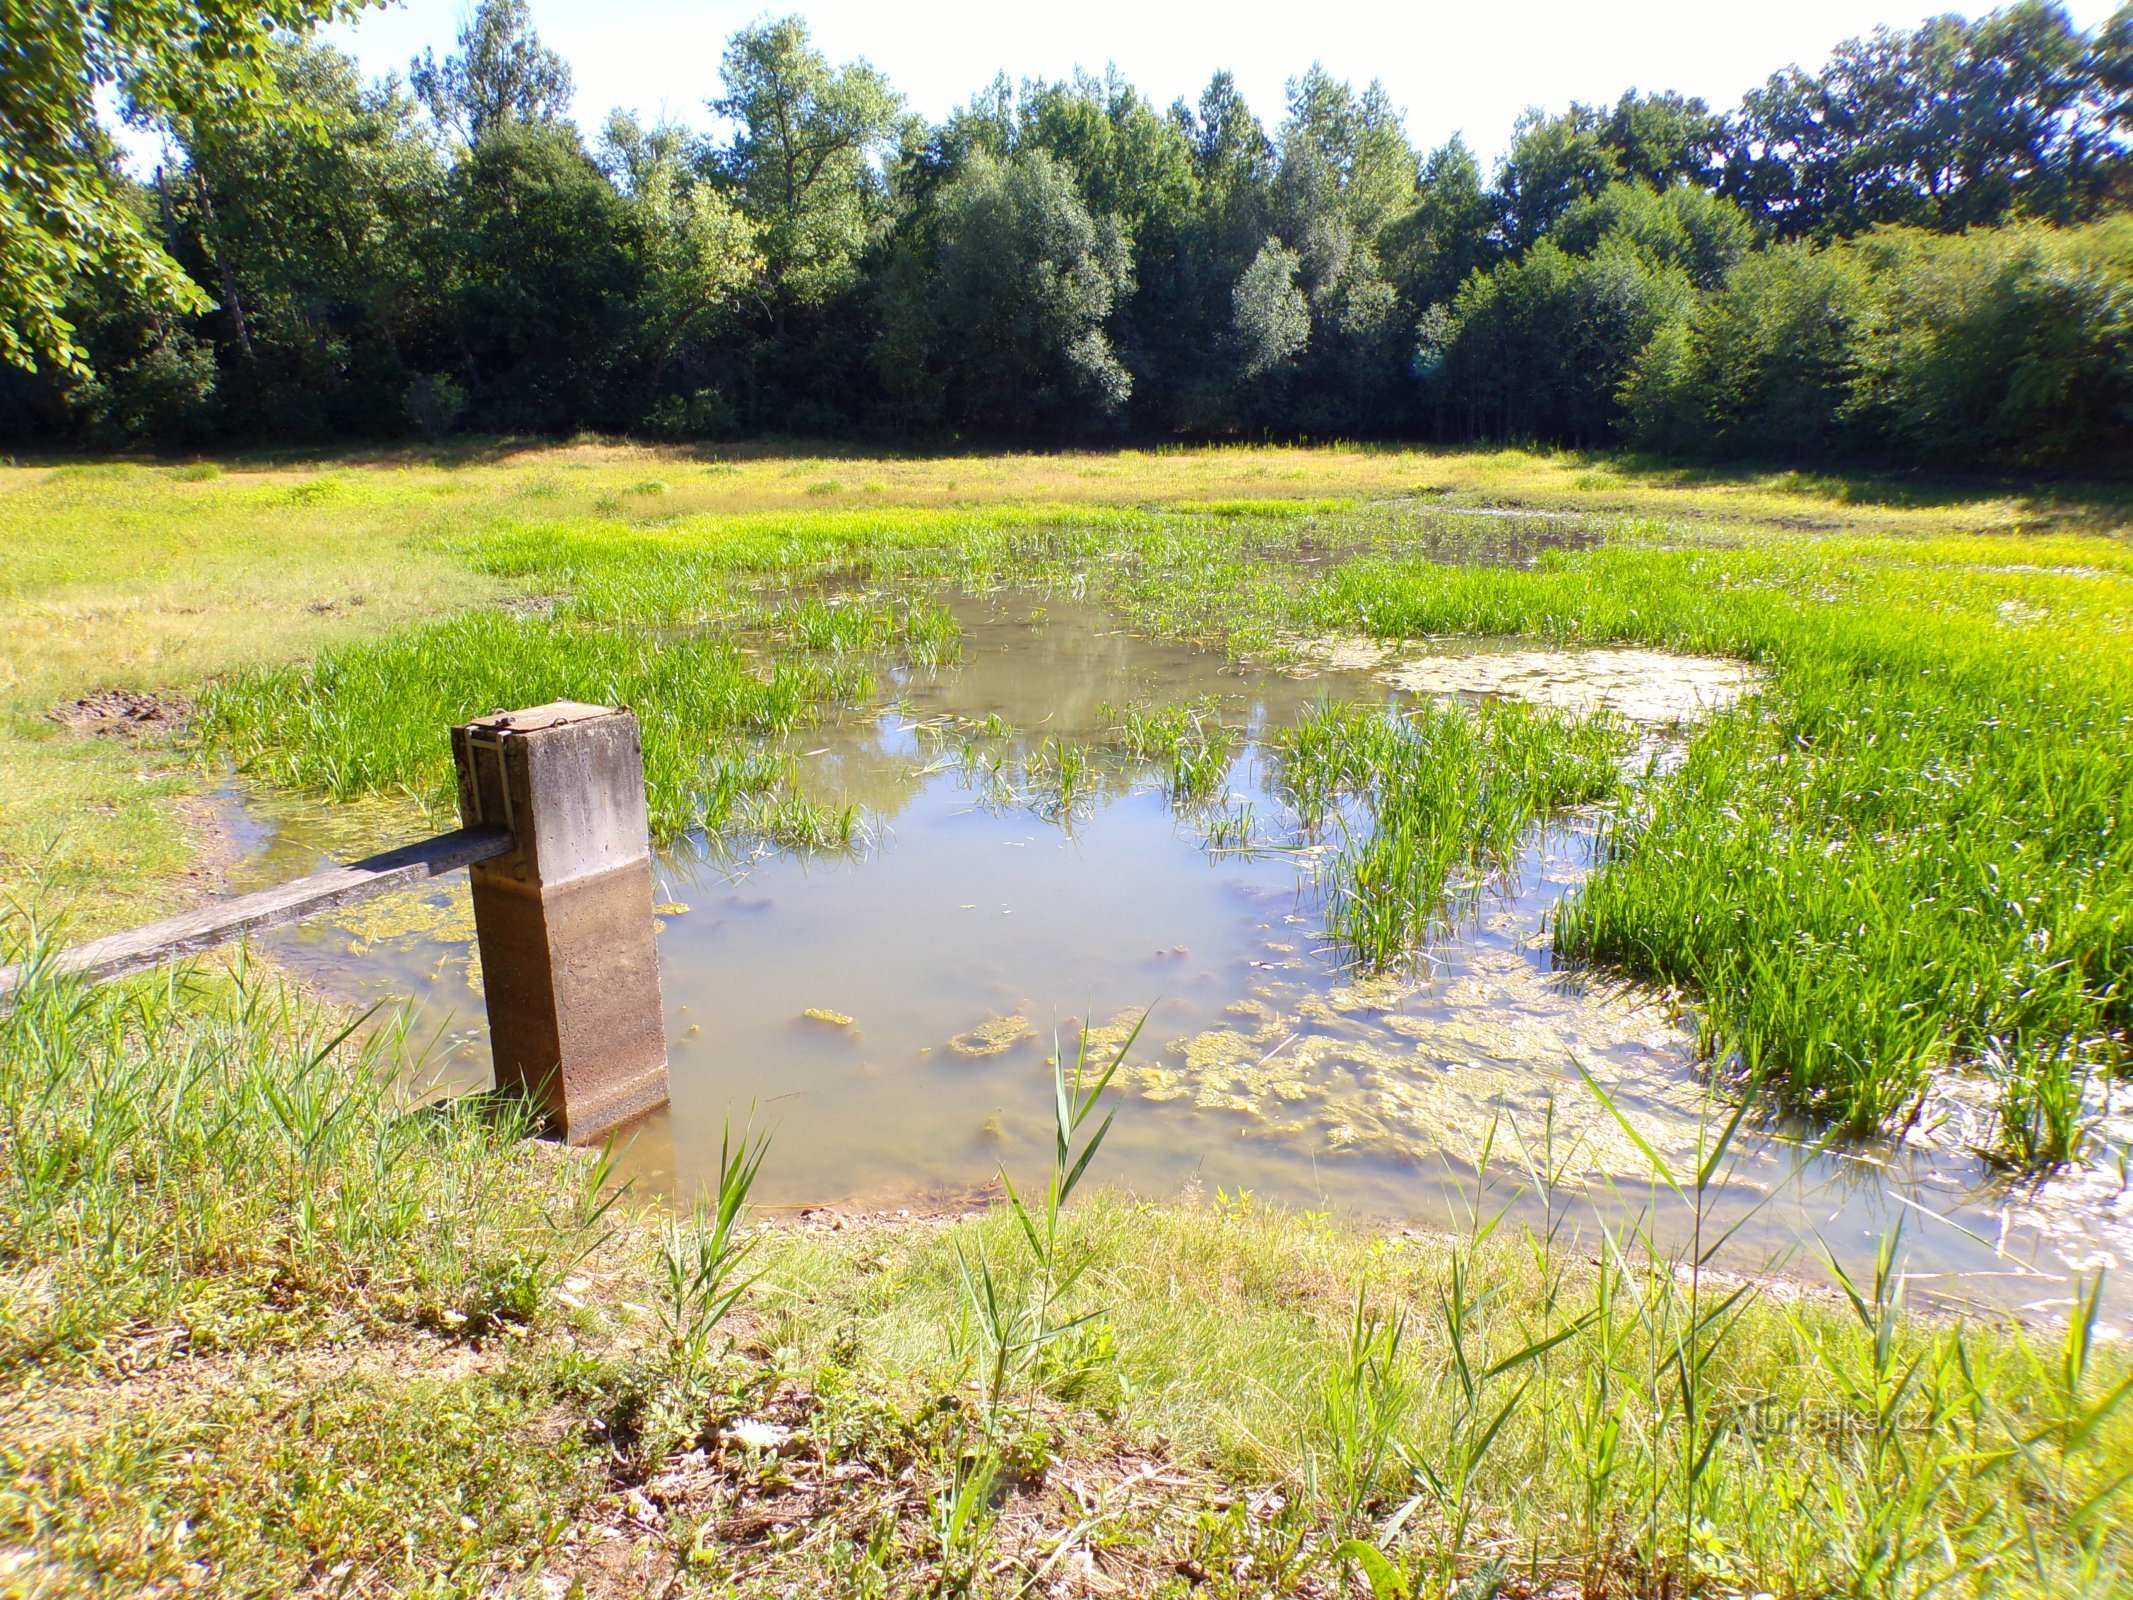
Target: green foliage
[(62, 215), (1679, 226), (1023, 282), (1951, 125), (502, 73), (2013, 346), (1270, 317), (1538, 347), (1763, 366), (799, 163), (546, 275), (1063, 258)]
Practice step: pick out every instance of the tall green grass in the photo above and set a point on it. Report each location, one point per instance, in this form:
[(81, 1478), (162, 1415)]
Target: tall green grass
[(1559, 1408), (375, 717), (1445, 795), (1910, 852), (219, 1159)]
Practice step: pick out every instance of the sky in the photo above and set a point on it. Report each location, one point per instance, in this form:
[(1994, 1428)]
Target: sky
[(1461, 67)]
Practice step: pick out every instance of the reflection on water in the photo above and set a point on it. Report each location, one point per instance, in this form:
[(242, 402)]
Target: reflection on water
[(893, 1015)]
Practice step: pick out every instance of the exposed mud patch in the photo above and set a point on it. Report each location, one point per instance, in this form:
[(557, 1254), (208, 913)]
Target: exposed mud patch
[(104, 713)]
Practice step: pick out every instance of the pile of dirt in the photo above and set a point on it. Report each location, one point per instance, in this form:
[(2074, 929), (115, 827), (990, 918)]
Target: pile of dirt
[(121, 711)]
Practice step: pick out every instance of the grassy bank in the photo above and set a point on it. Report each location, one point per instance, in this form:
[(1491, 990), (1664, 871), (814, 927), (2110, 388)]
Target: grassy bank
[(264, 1329), (268, 1334)]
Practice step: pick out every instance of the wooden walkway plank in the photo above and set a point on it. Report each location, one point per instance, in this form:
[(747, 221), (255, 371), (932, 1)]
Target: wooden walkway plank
[(220, 923)]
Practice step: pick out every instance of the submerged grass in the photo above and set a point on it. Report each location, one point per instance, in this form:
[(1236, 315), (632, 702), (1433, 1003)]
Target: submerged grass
[(1446, 796)]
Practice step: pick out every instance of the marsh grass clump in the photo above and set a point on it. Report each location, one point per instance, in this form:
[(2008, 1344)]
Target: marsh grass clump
[(1059, 776), (920, 632), (1443, 794), (796, 822), (373, 717), (1190, 740)]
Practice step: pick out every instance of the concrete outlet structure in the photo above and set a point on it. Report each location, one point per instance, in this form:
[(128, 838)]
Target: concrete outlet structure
[(569, 953)]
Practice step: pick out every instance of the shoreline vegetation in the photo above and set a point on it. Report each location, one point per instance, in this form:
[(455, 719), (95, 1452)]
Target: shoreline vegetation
[(263, 1329)]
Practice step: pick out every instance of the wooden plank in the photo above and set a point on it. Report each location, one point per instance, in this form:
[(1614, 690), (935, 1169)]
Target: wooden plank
[(226, 920)]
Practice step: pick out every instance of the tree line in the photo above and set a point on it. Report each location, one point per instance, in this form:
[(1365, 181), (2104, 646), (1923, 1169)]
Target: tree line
[(1922, 251)]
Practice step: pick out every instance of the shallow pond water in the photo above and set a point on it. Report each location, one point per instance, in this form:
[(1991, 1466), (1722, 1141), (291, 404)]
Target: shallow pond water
[(892, 1015)]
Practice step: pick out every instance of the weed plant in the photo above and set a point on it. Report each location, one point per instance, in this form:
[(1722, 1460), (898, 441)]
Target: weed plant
[(1559, 1405)]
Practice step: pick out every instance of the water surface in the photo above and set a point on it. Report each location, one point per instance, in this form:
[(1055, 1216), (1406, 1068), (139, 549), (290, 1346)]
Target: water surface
[(892, 1015)]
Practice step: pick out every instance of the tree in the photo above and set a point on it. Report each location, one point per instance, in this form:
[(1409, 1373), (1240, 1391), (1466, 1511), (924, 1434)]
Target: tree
[(2012, 345), (1763, 367), (1344, 152), (1128, 161), (322, 242), (1270, 318), (1554, 162), (1024, 280), (1681, 225), (1450, 233), (1953, 125), (1663, 138), (62, 214), (1538, 347), (502, 73), (695, 250), (546, 281), (1230, 149), (800, 162)]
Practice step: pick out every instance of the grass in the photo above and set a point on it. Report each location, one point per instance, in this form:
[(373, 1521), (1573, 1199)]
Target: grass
[(366, 718), (259, 1316), (292, 1331), (1447, 795), (1907, 854), (215, 1164)]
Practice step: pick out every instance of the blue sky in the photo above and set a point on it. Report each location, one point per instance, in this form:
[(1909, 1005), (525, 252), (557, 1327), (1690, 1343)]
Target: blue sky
[(1464, 66)]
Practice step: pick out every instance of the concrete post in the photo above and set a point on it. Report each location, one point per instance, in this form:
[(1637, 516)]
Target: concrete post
[(569, 955)]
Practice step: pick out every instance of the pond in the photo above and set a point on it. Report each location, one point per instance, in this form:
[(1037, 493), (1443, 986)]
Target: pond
[(891, 1013)]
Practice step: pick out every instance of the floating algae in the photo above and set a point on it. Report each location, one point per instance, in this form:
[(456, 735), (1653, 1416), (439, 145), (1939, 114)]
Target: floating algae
[(1403, 1066), (1650, 686), (994, 1036), (836, 1019), (1101, 1042), (401, 919)]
